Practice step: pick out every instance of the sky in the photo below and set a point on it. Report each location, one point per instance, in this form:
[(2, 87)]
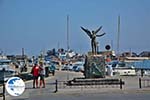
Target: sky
[(41, 25)]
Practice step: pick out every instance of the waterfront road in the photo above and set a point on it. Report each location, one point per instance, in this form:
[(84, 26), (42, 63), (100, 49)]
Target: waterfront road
[(130, 91)]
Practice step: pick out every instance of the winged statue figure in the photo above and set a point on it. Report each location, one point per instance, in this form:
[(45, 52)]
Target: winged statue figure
[(93, 36)]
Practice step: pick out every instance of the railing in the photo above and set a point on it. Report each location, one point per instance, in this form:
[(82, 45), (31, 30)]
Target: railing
[(79, 83), (144, 82), (2, 81), (2, 94)]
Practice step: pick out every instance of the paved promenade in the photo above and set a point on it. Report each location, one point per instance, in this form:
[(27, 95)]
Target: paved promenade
[(130, 91)]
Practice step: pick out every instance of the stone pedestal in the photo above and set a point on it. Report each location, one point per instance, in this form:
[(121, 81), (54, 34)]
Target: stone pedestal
[(94, 66)]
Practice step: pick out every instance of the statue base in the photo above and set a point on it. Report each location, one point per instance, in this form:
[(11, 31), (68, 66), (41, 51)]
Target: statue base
[(94, 66)]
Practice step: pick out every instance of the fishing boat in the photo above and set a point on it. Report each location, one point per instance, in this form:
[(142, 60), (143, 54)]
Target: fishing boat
[(124, 68)]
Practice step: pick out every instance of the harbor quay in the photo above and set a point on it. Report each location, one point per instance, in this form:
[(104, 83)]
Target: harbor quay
[(129, 91)]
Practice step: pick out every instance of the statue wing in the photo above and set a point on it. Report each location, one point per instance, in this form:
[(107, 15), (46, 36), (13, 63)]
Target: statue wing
[(100, 35), (98, 30), (87, 31)]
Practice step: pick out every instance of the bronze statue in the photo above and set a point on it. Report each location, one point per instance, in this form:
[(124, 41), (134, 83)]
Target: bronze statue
[(93, 36)]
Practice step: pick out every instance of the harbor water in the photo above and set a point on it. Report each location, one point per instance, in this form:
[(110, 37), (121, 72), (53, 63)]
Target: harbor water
[(143, 64)]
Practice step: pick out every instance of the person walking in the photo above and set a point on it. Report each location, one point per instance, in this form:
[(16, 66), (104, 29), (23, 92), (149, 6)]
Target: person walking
[(42, 75), (35, 73)]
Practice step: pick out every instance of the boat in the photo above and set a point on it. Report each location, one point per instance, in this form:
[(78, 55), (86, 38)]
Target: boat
[(78, 66), (4, 64), (121, 68), (5, 70), (124, 68)]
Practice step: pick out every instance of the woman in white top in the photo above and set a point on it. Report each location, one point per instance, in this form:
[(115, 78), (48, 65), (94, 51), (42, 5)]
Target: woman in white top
[(42, 74)]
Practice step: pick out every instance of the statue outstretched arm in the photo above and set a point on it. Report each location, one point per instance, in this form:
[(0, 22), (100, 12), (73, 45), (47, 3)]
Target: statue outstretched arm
[(98, 30), (100, 35), (87, 31)]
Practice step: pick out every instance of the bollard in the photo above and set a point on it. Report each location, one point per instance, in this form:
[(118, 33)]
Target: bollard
[(46, 71), (3, 91), (56, 86), (121, 83), (3, 83), (140, 85), (142, 72)]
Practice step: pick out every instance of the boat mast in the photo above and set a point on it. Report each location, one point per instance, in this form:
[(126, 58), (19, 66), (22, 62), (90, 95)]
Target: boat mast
[(112, 47), (68, 33), (118, 36)]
